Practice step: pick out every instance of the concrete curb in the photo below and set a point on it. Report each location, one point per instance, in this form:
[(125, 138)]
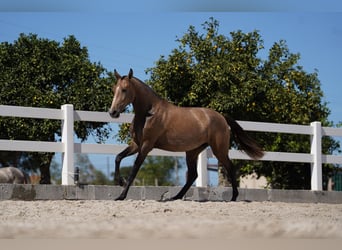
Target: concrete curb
[(93, 192)]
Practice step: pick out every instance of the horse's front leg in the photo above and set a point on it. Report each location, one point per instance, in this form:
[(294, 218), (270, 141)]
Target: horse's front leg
[(130, 150), (191, 162), (137, 164)]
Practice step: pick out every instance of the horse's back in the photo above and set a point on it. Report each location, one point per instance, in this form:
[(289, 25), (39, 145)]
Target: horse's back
[(205, 118), (186, 128)]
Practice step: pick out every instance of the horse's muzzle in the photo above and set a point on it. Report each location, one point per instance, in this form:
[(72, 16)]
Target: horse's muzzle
[(114, 113)]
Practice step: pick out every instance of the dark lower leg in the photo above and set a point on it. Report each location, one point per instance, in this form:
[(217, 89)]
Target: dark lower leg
[(118, 180), (130, 150), (191, 177), (230, 172), (135, 169), (191, 162), (232, 175)]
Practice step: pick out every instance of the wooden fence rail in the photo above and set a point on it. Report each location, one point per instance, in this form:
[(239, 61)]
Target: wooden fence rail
[(68, 147)]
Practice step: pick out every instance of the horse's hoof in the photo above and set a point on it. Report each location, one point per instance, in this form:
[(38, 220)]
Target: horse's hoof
[(235, 195), (174, 198), (167, 200), (233, 198), (120, 198)]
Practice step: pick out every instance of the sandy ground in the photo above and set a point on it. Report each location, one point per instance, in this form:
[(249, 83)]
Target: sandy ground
[(170, 220)]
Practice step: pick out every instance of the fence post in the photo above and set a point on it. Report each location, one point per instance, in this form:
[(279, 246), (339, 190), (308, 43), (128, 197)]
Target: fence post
[(316, 151), (68, 141), (202, 169)]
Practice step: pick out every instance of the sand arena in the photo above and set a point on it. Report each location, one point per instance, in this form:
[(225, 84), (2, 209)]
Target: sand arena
[(134, 219)]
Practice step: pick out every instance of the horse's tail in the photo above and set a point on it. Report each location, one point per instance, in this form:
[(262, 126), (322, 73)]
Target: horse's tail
[(247, 143)]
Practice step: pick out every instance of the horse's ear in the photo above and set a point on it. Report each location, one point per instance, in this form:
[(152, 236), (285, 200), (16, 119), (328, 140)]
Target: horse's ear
[(117, 75), (130, 74)]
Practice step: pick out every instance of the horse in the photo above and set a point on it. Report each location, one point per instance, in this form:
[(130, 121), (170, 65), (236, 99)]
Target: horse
[(160, 124), (13, 175)]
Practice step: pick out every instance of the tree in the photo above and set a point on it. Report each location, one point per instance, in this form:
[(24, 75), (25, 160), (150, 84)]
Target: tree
[(226, 74), (38, 72)]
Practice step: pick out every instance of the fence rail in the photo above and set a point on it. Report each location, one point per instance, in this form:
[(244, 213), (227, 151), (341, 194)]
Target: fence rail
[(68, 147)]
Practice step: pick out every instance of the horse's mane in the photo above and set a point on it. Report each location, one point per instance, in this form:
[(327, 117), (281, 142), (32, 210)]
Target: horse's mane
[(149, 88)]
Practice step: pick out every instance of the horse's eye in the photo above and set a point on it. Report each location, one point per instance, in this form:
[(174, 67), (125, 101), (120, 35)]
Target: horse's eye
[(123, 90)]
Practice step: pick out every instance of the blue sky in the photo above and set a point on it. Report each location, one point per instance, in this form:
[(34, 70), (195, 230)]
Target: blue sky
[(134, 35), (127, 39)]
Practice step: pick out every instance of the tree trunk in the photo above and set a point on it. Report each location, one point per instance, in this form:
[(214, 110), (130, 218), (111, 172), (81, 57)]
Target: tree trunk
[(45, 177)]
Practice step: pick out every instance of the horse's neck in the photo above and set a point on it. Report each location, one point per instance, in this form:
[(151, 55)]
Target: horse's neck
[(145, 99)]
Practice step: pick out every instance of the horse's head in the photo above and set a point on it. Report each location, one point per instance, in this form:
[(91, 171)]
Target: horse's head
[(123, 94)]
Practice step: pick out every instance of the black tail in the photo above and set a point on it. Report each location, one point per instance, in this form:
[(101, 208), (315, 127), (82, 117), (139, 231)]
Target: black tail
[(247, 143)]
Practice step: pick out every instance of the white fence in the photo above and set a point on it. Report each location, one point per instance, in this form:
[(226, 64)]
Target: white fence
[(68, 147)]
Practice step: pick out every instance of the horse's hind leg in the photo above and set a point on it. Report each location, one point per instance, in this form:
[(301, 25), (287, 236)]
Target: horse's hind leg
[(231, 171), (191, 162), (219, 144), (130, 150), (232, 175)]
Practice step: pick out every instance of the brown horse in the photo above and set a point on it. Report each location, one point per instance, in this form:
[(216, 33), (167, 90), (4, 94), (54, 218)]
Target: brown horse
[(160, 124)]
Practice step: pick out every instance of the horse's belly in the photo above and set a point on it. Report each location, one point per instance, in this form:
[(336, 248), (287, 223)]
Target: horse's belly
[(180, 144)]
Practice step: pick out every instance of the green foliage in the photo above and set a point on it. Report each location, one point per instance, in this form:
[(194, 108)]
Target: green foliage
[(226, 74), (39, 72), (156, 171)]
